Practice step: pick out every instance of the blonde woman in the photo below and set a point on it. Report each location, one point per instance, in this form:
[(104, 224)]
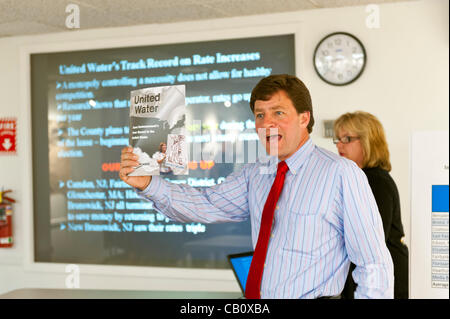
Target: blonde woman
[(360, 137)]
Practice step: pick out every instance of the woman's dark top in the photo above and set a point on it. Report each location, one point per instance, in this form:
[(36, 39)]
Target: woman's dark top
[(388, 201)]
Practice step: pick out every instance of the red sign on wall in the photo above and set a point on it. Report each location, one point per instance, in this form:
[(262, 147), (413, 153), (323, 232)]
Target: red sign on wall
[(8, 135)]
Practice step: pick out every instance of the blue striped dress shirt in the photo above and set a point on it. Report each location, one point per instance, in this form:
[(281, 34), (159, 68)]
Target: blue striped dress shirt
[(326, 217)]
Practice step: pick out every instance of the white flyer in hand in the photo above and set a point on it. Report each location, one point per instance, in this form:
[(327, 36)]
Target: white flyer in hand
[(157, 130)]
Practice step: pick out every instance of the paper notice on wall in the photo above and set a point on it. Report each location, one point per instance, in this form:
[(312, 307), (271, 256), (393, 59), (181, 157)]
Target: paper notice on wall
[(429, 215)]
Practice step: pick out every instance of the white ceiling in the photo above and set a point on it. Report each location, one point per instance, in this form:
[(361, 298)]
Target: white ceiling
[(27, 17)]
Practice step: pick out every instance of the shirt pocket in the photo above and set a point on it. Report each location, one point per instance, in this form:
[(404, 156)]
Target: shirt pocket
[(303, 232)]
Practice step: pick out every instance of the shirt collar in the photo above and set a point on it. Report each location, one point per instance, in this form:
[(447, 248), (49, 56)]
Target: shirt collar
[(295, 161)]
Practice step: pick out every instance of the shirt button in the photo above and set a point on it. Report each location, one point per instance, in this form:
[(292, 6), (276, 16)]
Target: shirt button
[(271, 235), (277, 207)]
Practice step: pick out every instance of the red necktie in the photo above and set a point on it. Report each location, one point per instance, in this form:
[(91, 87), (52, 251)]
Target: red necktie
[(253, 285)]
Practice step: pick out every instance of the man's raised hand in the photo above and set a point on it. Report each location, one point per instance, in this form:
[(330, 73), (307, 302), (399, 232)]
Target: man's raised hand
[(128, 162)]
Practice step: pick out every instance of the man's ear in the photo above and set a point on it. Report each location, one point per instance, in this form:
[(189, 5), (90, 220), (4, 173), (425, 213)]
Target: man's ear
[(304, 119)]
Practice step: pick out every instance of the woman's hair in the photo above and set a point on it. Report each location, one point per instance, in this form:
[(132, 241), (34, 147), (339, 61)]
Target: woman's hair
[(161, 145), (371, 135)]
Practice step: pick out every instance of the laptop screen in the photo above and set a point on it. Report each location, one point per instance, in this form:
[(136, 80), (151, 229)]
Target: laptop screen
[(240, 263)]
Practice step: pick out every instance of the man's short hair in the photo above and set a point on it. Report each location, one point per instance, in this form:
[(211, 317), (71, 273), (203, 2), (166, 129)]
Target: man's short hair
[(294, 88)]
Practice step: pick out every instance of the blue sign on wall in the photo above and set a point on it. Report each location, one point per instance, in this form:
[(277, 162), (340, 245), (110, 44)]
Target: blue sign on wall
[(439, 198)]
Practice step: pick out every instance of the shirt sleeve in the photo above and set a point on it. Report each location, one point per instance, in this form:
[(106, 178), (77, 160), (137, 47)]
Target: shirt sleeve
[(364, 236), (225, 202)]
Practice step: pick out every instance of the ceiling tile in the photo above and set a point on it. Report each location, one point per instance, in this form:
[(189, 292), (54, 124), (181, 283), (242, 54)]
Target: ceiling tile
[(20, 17), (26, 28)]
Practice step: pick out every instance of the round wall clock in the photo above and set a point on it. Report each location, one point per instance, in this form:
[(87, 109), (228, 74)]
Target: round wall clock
[(339, 58)]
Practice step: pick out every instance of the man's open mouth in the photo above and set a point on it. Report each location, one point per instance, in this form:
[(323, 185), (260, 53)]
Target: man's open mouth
[(273, 138)]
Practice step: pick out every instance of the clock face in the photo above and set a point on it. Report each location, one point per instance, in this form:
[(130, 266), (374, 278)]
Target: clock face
[(339, 58)]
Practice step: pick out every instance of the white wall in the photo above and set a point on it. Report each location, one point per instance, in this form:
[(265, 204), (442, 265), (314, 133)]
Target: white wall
[(405, 84)]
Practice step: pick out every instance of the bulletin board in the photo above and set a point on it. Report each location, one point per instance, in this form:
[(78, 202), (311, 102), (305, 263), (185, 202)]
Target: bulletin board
[(429, 215)]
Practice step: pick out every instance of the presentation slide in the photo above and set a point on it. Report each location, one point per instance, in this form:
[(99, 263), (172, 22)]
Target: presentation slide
[(83, 212)]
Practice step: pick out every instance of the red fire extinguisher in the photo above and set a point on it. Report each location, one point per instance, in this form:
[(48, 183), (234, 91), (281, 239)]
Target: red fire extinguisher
[(6, 238)]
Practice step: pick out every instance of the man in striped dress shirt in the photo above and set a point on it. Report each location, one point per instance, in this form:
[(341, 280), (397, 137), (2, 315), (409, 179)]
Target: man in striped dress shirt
[(326, 215)]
